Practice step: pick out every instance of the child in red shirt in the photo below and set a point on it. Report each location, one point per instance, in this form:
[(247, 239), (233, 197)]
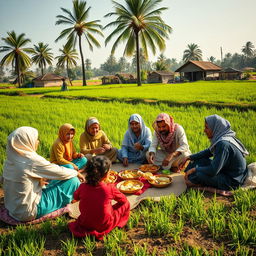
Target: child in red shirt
[(98, 215)]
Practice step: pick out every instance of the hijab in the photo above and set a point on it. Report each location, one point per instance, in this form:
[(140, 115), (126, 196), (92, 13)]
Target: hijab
[(90, 121), (221, 130), (21, 144), (63, 130), (165, 140), (132, 138)]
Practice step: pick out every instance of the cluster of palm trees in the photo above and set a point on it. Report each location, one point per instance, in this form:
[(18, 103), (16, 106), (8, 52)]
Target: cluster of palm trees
[(138, 23)]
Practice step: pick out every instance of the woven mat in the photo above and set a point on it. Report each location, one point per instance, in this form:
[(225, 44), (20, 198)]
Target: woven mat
[(177, 187)]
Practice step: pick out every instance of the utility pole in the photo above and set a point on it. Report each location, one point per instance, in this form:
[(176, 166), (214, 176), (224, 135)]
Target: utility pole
[(221, 54)]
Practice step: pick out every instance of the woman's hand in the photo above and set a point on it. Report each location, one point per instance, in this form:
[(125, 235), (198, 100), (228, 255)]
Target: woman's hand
[(106, 147), (190, 171), (81, 177), (125, 161), (43, 182), (138, 146), (183, 162), (98, 151), (75, 167), (151, 157)]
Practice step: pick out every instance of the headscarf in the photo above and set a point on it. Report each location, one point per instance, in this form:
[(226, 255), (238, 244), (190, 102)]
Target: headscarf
[(21, 144), (132, 137), (221, 130), (88, 123), (63, 130), (165, 141)]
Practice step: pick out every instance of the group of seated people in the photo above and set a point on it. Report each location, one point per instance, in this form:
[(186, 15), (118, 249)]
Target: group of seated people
[(34, 186)]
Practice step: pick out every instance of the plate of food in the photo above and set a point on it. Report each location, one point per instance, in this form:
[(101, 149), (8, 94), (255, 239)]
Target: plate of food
[(160, 181), (129, 174), (130, 186), (149, 168), (111, 177)]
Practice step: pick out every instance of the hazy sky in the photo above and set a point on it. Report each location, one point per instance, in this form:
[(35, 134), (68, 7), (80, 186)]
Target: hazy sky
[(208, 23)]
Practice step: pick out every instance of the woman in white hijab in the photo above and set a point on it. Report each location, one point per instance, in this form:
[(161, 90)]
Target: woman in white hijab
[(227, 170), (24, 170)]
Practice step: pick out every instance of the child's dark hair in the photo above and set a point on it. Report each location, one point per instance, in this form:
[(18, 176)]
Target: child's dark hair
[(96, 169)]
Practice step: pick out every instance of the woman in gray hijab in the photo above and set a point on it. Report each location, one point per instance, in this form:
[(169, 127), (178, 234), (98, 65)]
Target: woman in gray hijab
[(227, 170)]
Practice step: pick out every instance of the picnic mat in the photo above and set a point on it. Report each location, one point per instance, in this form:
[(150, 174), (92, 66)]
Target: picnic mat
[(5, 217), (177, 187)]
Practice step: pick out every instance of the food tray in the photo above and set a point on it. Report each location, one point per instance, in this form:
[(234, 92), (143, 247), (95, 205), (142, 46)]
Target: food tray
[(130, 191), (111, 177), (149, 168), (133, 172), (161, 185)]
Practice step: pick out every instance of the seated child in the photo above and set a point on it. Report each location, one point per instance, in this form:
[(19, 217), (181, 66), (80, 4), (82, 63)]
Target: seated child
[(63, 152), (98, 215)]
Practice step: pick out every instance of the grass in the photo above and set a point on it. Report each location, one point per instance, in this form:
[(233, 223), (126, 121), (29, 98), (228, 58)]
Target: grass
[(162, 228)]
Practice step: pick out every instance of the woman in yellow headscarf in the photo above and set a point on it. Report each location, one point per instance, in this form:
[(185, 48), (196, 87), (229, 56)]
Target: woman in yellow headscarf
[(63, 151), (93, 141)]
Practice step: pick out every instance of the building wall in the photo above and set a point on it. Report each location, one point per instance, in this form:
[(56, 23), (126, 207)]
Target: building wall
[(48, 83)]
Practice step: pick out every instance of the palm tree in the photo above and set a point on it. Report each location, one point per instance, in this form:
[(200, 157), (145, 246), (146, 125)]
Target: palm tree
[(42, 56), (247, 49), (79, 26), (16, 52), (138, 22), (25, 75), (212, 59), (192, 53), (67, 58)]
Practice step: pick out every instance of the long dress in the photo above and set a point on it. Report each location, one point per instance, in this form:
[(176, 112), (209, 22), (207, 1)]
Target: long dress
[(98, 215)]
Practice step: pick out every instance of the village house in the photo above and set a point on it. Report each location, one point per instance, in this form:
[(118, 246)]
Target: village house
[(160, 77), (48, 80), (199, 70)]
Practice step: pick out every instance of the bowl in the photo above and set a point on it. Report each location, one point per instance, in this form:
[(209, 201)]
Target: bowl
[(149, 168), (129, 174), (162, 183), (111, 177), (129, 186)]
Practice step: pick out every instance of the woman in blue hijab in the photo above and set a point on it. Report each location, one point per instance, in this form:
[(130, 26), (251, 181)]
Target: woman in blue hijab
[(137, 140), (227, 170)]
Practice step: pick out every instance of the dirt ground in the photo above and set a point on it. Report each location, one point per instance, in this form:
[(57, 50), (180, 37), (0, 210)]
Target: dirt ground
[(194, 237)]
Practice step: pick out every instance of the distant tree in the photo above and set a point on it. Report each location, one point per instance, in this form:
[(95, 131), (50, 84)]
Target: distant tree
[(42, 55), (247, 49), (67, 58), (111, 65), (78, 19), (123, 64), (2, 73), (160, 66), (25, 75), (212, 59), (88, 64), (161, 58), (138, 22), (16, 52), (193, 52)]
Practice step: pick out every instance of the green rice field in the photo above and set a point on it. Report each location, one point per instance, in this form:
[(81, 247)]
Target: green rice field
[(193, 224)]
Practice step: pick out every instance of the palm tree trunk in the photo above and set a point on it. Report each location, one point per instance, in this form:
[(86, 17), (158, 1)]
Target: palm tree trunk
[(68, 75), (18, 69), (82, 59), (138, 59), (42, 71)]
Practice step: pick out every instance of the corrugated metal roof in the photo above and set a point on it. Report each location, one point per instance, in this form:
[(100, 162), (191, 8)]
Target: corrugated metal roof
[(204, 65)]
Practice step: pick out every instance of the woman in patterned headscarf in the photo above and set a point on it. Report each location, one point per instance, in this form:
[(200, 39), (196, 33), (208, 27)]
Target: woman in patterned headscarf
[(136, 142), (227, 170)]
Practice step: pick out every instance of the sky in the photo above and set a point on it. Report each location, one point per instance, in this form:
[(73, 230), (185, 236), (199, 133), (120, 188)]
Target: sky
[(209, 24)]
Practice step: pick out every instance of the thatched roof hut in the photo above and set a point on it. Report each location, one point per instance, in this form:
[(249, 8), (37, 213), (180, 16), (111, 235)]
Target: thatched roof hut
[(160, 77), (48, 80), (199, 70)]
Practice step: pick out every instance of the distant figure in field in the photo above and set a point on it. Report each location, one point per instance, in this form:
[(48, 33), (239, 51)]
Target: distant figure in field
[(98, 215), (173, 143), (63, 151), (93, 141), (24, 172), (227, 170), (64, 86), (136, 142)]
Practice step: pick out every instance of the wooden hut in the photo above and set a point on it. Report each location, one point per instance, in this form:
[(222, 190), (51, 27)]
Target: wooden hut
[(230, 74), (160, 77), (111, 79), (199, 70), (48, 80), (126, 78)]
